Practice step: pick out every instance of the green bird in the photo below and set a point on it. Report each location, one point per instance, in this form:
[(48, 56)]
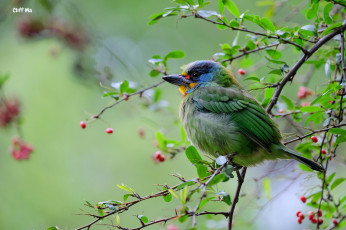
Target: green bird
[(222, 118)]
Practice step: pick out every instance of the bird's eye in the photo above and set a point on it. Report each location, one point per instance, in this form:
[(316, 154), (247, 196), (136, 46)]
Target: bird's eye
[(194, 75)]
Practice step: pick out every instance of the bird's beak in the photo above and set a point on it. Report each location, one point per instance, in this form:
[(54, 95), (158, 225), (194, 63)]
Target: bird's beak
[(177, 79)]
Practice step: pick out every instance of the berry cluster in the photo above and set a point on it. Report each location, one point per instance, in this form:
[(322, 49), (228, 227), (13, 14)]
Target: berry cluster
[(9, 111), (159, 157), (83, 126), (20, 150), (303, 92), (71, 35)]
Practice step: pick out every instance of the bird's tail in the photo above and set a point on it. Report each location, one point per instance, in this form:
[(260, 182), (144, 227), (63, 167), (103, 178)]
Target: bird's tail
[(293, 154)]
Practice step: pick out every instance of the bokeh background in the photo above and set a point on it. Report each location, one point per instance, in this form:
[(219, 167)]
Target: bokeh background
[(56, 82)]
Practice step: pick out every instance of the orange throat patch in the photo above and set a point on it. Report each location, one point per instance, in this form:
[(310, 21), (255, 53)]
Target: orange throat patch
[(184, 88)]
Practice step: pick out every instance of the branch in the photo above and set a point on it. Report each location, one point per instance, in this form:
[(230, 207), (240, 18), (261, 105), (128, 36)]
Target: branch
[(222, 23), (251, 51), (290, 75), (313, 132), (241, 177), (139, 92)]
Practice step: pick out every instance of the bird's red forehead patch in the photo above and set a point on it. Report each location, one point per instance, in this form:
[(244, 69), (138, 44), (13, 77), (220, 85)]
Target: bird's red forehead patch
[(187, 76)]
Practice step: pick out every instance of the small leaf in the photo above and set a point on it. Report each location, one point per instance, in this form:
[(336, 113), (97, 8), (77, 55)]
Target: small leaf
[(143, 218), (275, 54), (168, 197), (173, 193), (154, 73), (338, 131), (117, 220), (188, 183), (174, 54), (182, 219), (231, 7), (311, 13), (337, 182), (193, 155), (111, 207), (326, 11), (221, 6), (330, 178), (267, 188), (126, 188), (311, 109), (124, 86), (52, 228), (305, 168), (204, 202), (225, 197), (161, 140), (268, 24), (217, 179), (202, 171), (288, 102), (228, 171)]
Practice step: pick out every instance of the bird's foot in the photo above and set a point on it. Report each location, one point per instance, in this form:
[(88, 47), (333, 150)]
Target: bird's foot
[(235, 165)]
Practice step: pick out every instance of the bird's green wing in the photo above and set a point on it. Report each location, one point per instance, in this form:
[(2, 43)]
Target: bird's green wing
[(244, 111)]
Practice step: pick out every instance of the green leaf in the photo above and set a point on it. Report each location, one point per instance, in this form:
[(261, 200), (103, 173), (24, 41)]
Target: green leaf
[(268, 25), (124, 86), (225, 197), (228, 171), (311, 109), (111, 207), (234, 23), (174, 54), (188, 183), (231, 7), (204, 202), (154, 73), (252, 79), (202, 171), (126, 188), (168, 197), (339, 140), (267, 187), (338, 131), (316, 118), (101, 212), (117, 220), (173, 193), (311, 13), (330, 178), (221, 6), (326, 11), (126, 196), (52, 228), (337, 182), (305, 168), (217, 179), (331, 27), (161, 141), (182, 219), (193, 155), (143, 218), (274, 54), (3, 79), (288, 102)]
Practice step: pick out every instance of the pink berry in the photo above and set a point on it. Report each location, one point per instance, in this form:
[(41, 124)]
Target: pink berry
[(241, 72), (303, 199), (314, 139), (159, 157), (82, 124), (323, 151), (335, 222), (310, 213), (298, 213), (126, 97), (281, 111), (109, 130)]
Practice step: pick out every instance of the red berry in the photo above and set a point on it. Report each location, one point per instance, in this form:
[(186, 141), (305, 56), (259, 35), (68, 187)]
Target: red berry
[(241, 72), (303, 92), (299, 220), (313, 220), (109, 130), (323, 151), (319, 213), (159, 157), (314, 139), (310, 214), (335, 222), (303, 199), (126, 97), (298, 213), (82, 124), (301, 216), (320, 221)]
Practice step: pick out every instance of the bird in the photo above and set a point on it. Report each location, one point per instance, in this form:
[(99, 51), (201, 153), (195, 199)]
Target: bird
[(221, 118)]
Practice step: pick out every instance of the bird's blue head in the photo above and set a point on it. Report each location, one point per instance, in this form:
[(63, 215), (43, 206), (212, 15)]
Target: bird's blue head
[(200, 74)]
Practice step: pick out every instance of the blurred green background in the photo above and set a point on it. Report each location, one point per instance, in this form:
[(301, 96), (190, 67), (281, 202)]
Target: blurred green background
[(70, 165)]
